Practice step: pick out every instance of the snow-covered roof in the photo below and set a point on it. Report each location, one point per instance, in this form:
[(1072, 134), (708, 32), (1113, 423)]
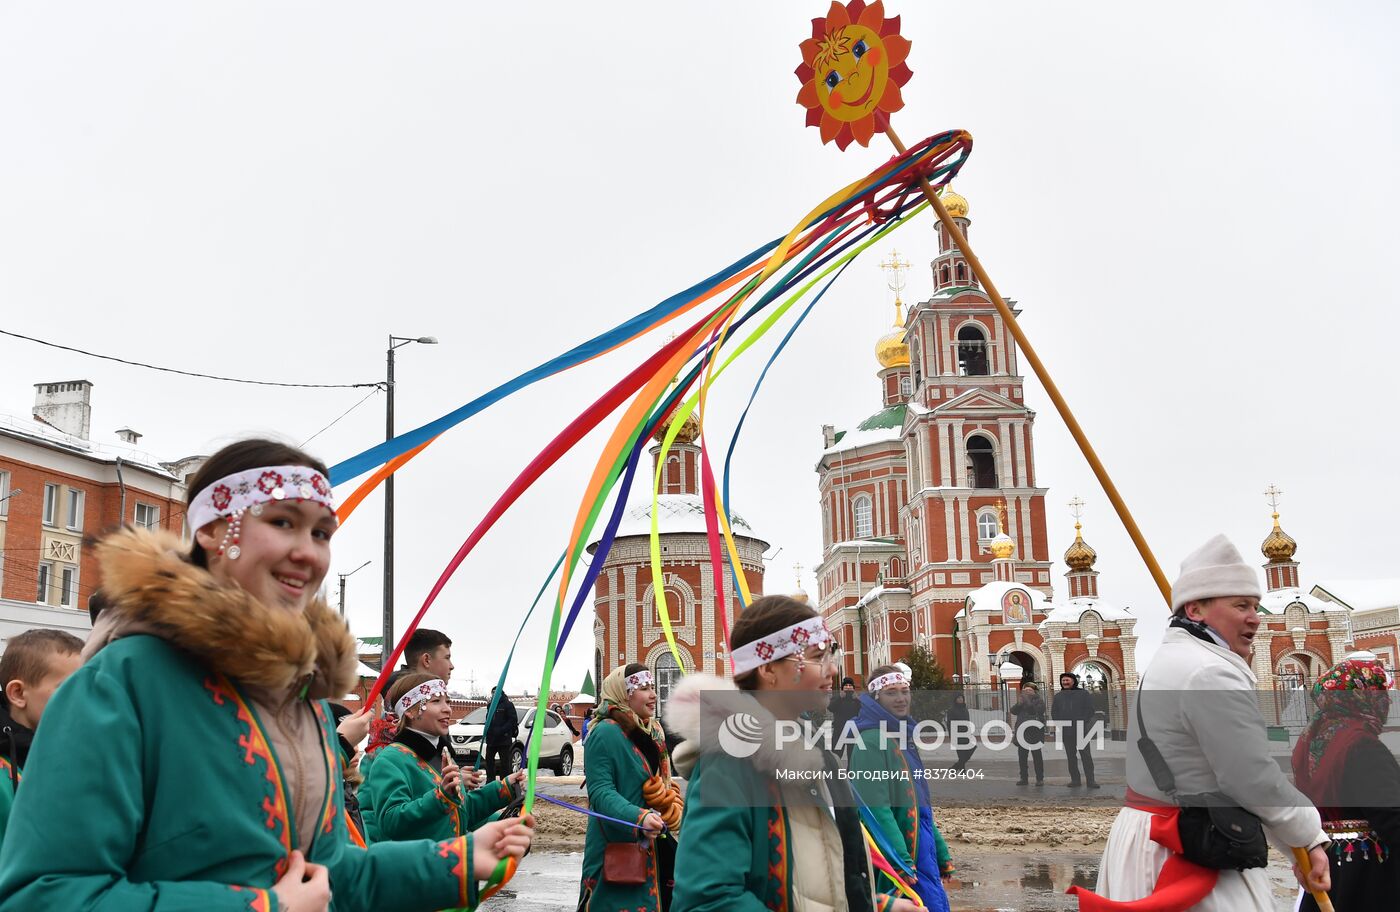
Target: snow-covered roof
[(1277, 602), (878, 591), (1360, 594), (988, 597), (48, 435), (675, 513), (868, 543), (884, 426), (1070, 612)]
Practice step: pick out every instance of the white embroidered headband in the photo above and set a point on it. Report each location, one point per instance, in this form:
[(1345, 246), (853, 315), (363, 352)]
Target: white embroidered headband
[(638, 681), (778, 645), (231, 495), (893, 679), (420, 694)]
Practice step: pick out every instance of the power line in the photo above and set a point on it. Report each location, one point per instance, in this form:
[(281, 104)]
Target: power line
[(372, 392), (171, 370)]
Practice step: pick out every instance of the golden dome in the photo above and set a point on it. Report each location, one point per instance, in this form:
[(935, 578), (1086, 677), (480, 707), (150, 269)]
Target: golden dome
[(689, 431), (1080, 556), (891, 350), (1002, 546), (955, 203), (1279, 547)]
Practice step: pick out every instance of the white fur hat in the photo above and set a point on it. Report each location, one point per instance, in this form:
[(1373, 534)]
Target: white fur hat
[(1214, 570)]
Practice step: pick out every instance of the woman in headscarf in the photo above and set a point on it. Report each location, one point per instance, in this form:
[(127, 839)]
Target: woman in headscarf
[(1342, 766), (891, 781), (629, 778)]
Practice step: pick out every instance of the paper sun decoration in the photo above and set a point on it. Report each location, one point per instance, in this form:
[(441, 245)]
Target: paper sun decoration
[(852, 68)]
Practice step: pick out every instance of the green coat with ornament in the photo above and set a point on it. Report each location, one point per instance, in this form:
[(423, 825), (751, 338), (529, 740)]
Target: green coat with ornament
[(155, 784), (743, 825), (400, 797), (9, 784), (885, 782), (622, 759)]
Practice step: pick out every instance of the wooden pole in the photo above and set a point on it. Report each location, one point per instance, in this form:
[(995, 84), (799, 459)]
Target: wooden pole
[(1324, 902), (1044, 377)]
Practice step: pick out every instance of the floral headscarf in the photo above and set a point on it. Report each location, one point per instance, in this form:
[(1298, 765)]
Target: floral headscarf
[(1352, 701), (613, 695)]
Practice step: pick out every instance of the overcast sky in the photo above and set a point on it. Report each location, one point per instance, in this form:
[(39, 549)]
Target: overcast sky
[(1192, 202)]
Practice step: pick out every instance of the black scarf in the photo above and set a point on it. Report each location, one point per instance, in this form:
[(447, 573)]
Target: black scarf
[(1198, 629), (429, 750), (14, 742)]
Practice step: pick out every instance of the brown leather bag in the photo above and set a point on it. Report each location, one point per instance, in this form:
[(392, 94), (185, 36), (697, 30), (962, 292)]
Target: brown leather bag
[(625, 862)]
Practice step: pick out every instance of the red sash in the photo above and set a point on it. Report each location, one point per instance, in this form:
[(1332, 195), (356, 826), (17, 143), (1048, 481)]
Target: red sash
[(1180, 885)]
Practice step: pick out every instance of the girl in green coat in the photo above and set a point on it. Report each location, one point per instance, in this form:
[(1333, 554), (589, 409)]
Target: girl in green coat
[(413, 790), (767, 828), (629, 778), (191, 762), (892, 781)]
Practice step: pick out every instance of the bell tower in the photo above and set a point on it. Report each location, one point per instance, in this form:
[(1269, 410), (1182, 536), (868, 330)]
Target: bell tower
[(969, 447)]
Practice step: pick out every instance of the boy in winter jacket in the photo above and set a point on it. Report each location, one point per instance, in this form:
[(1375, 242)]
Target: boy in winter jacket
[(34, 664)]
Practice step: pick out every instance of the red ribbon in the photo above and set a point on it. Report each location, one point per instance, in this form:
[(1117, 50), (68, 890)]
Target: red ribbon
[(1180, 885)]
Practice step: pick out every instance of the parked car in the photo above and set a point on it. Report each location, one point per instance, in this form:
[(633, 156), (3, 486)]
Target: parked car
[(556, 741)]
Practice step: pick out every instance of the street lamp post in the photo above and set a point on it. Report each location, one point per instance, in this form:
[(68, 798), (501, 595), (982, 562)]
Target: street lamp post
[(395, 343), (343, 578)]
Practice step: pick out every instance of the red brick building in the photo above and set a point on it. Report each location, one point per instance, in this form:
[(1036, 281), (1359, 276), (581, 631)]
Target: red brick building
[(627, 622), (910, 498), (58, 489)]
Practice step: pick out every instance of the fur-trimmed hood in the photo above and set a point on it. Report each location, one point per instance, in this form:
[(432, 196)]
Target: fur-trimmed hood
[(697, 704), (152, 588)]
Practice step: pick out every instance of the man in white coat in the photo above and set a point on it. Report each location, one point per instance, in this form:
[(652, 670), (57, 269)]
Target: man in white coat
[(1200, 710)]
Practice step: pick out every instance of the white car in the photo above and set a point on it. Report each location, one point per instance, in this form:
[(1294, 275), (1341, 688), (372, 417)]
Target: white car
[(556, 740)]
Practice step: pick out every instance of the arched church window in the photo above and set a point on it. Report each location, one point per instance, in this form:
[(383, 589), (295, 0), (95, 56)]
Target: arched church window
[(943, 275), (981, 462), (987, 527), (972, 352), (863, 513), (906, 387), (668, 675), (961, 270)]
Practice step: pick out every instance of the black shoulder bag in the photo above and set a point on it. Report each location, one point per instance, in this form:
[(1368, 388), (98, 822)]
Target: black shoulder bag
[(1215, 832)]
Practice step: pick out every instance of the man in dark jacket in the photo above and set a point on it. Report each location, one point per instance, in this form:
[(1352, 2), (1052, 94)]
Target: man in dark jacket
[(843, 709), (499, 738), (1074, 705)]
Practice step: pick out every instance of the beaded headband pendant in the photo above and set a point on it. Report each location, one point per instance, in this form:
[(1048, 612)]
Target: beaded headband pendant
[(247, 492)]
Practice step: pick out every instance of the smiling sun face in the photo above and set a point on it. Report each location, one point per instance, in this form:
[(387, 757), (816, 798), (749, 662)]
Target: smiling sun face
[(852, 68)]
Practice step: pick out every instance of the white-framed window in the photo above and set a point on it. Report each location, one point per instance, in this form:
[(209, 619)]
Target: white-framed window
[(906, 386), (987, 526), (4, 493), (45, 577), (668, 675), (51, 505), (862, 511), (147, 516), (76, 502), (68, 586)]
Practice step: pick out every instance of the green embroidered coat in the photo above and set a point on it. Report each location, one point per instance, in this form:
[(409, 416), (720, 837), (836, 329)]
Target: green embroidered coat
[(153, 785), (9, 779), (617, 768), (400, 799), (736, 846), (886, 785)]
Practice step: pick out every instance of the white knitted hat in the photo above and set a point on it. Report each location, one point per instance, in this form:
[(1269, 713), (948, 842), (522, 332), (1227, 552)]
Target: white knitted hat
[(1214, 570)]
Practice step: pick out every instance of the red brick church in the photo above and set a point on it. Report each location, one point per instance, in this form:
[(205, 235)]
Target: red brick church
[(933, 522)]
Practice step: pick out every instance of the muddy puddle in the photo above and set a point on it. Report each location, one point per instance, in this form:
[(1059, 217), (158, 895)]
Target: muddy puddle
[(985, 882)]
